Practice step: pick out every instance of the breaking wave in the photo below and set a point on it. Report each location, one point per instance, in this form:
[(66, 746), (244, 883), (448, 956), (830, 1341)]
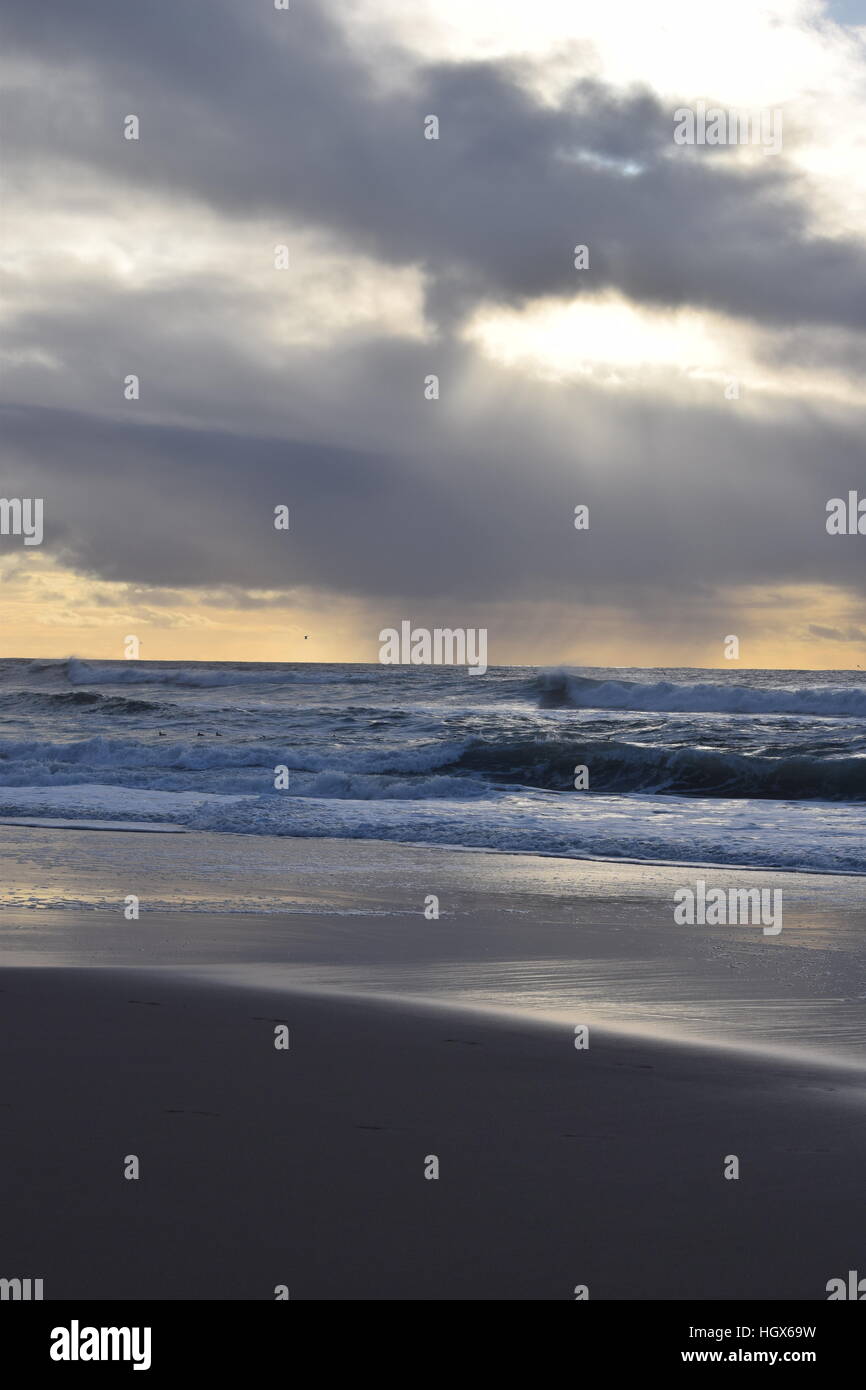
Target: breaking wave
[(562, 690)]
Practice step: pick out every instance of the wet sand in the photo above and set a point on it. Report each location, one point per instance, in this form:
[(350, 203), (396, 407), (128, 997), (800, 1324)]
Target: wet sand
[(413, 1038), (306, 1167)]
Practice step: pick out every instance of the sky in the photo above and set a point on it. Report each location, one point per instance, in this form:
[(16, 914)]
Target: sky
[(283, 261)]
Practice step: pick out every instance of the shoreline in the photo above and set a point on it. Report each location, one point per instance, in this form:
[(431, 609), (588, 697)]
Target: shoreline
[(532, 936), (166, 828), (210, 853)]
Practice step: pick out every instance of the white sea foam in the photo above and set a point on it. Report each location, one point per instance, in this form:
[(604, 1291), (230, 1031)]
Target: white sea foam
[(770, 834)]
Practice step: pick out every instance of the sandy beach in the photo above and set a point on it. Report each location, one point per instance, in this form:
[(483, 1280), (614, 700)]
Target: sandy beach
[(306, 1167), (409, 1039)]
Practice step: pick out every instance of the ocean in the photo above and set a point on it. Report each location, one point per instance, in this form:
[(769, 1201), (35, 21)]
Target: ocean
[(755, 768)]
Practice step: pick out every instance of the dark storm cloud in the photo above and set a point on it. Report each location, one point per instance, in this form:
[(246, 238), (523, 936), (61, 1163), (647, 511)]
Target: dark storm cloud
[(254, 111), (708, 498)]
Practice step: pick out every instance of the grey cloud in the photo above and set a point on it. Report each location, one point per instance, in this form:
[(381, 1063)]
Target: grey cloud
[(677, 498), (835, 634), (261, 114)]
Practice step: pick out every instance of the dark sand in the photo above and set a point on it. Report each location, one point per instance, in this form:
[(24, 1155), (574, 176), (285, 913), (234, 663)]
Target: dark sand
[(306, 1168)]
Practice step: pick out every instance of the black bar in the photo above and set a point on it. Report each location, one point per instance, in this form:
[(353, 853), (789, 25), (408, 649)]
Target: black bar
[(222, 1338)]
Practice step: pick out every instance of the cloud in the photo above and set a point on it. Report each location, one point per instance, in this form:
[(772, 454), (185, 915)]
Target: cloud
[(835, 634), (260, 116), (473, 496), (307, 388)]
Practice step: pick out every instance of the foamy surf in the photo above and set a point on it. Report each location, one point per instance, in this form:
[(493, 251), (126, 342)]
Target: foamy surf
[(740, 768)]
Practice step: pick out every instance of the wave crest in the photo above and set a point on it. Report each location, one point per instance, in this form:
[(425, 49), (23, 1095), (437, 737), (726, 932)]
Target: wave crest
[(563, 690), (80, 672)]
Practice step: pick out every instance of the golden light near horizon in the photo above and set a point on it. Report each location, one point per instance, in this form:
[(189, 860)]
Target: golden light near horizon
[(49, 612)]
